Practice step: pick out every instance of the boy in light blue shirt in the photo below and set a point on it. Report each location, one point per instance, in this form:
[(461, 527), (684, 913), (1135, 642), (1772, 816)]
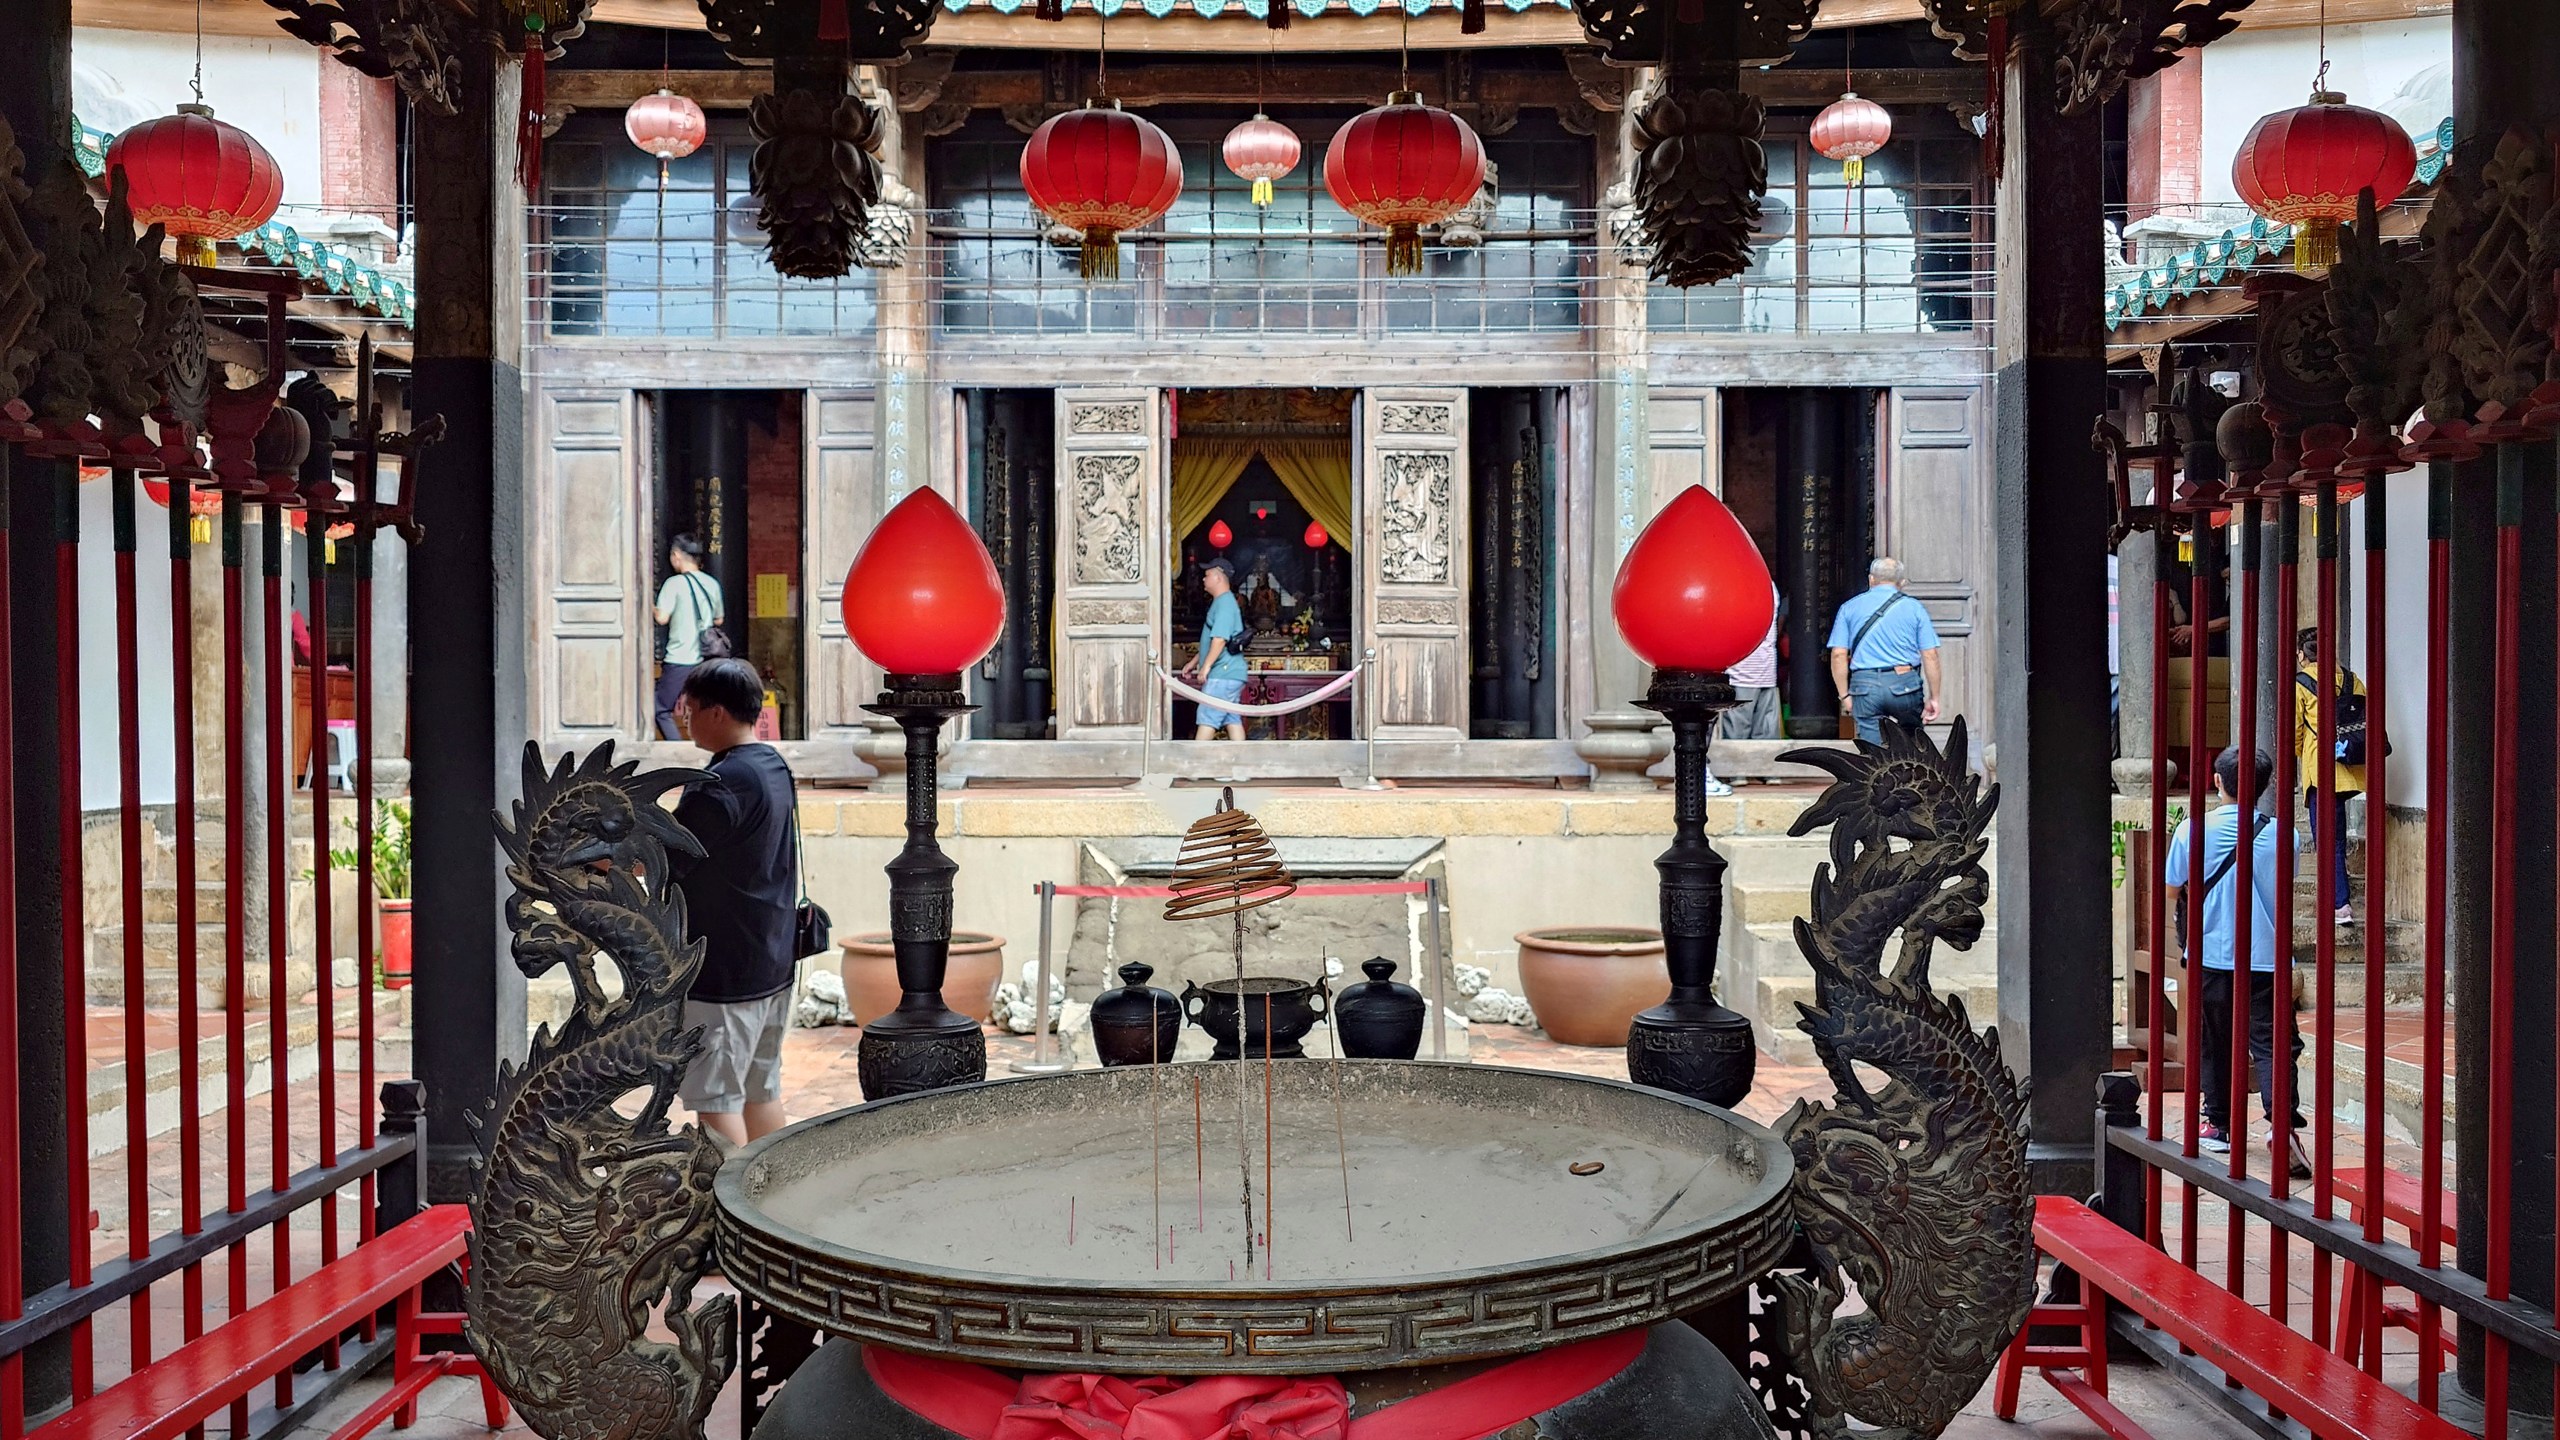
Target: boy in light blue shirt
[(2217, 950)]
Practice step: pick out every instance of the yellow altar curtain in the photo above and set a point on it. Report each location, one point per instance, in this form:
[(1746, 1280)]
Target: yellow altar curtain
[(1204, 469), (1318, 473)]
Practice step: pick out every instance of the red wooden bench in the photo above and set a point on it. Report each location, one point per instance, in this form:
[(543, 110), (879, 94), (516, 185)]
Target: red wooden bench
[(2330, 1397), (2402, 1205), (164, 1399)]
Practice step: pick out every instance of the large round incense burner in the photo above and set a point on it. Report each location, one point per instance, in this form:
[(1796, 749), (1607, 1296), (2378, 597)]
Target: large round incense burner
[(1096, 1220)]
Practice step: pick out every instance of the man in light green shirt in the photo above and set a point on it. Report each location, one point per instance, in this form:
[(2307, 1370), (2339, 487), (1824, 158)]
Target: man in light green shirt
[(688, 603)]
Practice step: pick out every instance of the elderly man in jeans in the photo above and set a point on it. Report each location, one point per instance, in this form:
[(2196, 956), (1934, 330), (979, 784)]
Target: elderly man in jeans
[(1884, 655)]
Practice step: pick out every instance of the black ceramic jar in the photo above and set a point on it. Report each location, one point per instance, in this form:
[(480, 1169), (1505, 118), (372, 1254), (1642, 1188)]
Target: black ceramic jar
[(1379, 1019), (1136, 1024)]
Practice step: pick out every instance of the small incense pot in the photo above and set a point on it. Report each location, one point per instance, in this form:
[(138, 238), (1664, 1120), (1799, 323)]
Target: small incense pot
[(1379, 1019), (1292, 1008), (1136, 1024)]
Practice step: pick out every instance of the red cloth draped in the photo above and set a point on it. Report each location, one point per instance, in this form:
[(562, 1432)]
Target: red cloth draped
[(985, 1404)]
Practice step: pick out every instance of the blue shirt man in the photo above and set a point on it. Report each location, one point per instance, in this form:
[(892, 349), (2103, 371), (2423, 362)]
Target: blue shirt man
[(1884, 656), (2216, 948), (1217, 666)]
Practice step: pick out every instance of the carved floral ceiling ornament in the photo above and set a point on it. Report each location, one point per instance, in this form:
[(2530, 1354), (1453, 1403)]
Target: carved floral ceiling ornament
[(416, 42), (1700, 173), (813, 176), (22, 279), (2101, 44), (2377, 311), (1641, 32), (2501, 338)]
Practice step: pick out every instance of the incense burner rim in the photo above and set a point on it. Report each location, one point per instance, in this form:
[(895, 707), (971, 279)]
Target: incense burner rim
[(1297, 1327)]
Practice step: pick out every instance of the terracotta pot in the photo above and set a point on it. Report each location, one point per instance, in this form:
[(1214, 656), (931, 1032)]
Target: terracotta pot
[(968, 986), (1586, 983), (395, 921)]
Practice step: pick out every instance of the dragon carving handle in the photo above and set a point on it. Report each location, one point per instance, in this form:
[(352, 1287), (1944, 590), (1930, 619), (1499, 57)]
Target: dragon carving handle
[(588, 1221), (1913, 1187)]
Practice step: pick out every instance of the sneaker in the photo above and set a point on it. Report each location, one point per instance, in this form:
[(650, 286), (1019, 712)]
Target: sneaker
[(2214, 1139), (1713, 786), (2345, 915), (2300, 1169)]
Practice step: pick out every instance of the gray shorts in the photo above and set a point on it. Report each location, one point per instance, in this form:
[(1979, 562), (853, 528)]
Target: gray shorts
[(741, 1059)]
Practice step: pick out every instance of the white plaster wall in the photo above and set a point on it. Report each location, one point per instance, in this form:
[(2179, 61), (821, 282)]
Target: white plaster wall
[(2402, 68), (270, 88), (2405, 592), (101, 787)]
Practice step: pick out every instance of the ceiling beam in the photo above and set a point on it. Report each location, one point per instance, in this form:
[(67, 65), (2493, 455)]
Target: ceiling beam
[(1208, 83), (616, 89)]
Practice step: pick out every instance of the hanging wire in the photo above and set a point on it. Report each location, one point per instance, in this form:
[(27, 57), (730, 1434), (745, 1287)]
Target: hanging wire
[(197, 84), (2320, 82), (1102, 49), (1404, 47)]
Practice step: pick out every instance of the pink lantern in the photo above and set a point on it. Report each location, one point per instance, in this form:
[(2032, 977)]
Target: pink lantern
[(1261, 150), (1849, 130), (666, 124)]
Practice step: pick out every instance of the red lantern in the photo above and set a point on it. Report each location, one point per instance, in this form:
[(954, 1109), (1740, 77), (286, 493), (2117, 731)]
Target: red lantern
[(666, 125), (1404, 165), (1850, 129), (1261, 150), (2304, 167), (1693, 592), (1316, 538), (1102, 171), (196, 178), (1220, 537), (923, 597)]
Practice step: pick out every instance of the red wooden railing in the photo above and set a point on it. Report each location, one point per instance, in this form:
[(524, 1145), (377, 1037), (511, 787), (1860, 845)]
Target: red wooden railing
[(190, 1198), (2373, 1221)]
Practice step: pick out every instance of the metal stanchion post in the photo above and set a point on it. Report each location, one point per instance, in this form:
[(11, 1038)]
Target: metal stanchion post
[(1042, 1062), (1439, 961)]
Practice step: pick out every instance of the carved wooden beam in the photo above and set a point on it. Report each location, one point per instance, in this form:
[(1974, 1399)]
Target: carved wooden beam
[(615, 89), (1219, 82)]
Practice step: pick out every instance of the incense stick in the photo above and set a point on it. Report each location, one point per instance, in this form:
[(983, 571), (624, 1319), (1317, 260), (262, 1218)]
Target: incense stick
[(1270, 1214), (1341, 1146), (1155, 1124), (1199, 1157), (1244, 1079)]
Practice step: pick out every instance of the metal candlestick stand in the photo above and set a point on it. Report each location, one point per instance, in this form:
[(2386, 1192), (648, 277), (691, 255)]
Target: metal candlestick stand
[(924, 1044), (1044, 1057), (1689, 1044)]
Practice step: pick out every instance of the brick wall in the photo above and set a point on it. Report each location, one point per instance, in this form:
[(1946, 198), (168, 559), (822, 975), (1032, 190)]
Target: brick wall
[(773, 494), (2164, 128), (359, 152)]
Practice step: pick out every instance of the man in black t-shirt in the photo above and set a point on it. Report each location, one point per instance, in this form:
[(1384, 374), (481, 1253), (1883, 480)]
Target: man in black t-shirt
[(740, 901)]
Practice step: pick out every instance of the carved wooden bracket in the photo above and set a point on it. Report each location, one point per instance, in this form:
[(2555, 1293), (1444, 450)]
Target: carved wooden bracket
[(871, 31), (416, 42), (2101, 44)]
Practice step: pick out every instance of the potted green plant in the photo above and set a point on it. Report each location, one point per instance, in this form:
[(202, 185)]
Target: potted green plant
[(390, 888)]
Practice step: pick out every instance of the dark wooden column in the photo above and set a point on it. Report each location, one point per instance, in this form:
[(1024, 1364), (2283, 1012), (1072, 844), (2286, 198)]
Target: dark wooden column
[(35, 95), (2050, 517), (2506, 73), (466, 589)]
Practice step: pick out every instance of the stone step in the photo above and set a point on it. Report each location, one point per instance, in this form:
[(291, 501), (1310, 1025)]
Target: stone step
[(160, 902), (108, 1097), (1777, 1016), (106, 974)]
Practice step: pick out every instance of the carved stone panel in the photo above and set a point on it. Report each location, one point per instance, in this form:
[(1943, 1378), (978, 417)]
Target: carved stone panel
[(1414, 495), (1107, 511), (1413, 508), (1118, 419), (1412, 419), (1110, 521)]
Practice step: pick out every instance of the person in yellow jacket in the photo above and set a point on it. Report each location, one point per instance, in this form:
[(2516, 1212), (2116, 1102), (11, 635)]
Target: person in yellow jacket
[(2328, 815)]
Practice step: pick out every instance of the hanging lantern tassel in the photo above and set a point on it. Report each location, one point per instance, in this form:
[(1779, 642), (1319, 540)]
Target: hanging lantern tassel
[(530, 111), (2315, 244), (200, 529), (1262, 192), (1404, 249), (1098, 258), (199, 251), (1853, 171)]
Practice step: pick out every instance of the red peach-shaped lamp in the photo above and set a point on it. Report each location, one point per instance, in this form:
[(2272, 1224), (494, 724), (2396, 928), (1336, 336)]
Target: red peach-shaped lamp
[(924, 602), (1692, 598), (923, 598), (1693, 592)]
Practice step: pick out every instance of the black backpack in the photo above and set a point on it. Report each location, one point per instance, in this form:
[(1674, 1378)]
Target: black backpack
[(2350, 714)]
